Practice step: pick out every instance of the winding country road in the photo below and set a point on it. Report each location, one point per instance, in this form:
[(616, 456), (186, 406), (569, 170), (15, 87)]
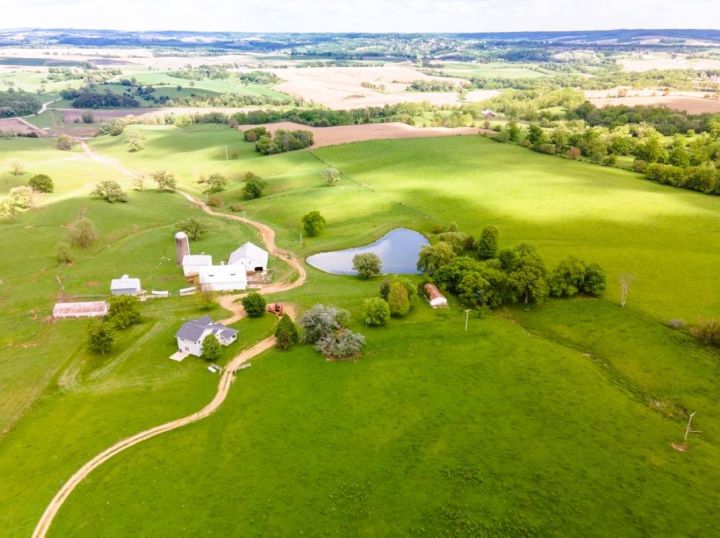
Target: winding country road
[(226, 301)]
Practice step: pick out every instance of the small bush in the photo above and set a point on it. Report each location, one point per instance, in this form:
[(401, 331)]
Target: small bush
[(377, 312), (254, 304), (344, 344), (215, 201), (286, 333), (41, 183), (236, 208), (64, 253)]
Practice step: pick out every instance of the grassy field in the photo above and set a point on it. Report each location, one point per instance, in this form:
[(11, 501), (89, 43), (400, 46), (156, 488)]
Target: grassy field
[(666, 238), (553, 420)]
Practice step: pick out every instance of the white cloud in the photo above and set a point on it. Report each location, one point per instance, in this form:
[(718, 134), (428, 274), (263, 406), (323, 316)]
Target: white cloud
[(359, 16)]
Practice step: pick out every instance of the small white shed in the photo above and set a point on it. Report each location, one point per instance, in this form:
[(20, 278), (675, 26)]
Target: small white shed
[(251, 257), (192, 263), (125, 285), (434, 297), (222, 278)]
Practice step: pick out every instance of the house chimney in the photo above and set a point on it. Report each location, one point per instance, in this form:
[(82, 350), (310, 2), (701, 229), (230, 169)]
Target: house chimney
[(182, 246)]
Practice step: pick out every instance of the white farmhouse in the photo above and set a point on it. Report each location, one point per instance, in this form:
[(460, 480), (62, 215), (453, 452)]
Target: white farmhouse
[(222, 278), (125, 286), (191, 335), (251, 257), (191, 263)]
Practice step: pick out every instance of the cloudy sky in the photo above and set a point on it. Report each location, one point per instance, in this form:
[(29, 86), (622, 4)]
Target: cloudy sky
[(360, 15)]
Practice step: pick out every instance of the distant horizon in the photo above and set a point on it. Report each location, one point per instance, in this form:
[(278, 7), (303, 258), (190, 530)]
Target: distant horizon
[(370, 16), (359, 32)]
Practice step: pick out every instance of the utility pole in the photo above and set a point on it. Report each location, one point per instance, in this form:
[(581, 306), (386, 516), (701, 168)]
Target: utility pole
[(467, 316), (226, 153), (301, 243)]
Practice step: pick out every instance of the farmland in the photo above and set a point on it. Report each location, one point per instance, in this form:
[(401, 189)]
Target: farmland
[(565, 417), (483, 441)]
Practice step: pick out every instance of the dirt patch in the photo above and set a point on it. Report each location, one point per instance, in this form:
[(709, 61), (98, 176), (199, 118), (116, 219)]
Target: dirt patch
[(330, 136), (688, 101), (18, 126)]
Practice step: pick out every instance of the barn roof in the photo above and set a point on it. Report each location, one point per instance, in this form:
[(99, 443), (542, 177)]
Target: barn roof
[(193, 330), (197, 259), (125, 283), (222, 273), (249, 250), (432, 292)]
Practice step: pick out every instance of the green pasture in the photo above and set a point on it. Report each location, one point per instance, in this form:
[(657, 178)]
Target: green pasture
[(545, 421)]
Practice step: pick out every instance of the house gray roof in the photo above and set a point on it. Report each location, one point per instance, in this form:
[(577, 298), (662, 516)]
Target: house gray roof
[(194, 329)]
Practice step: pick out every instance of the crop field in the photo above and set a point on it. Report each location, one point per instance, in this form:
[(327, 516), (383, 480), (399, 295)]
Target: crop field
[(549, 420), (492, 70)]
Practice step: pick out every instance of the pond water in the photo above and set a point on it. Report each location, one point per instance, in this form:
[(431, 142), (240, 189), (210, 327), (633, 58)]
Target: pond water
[(399, 250)]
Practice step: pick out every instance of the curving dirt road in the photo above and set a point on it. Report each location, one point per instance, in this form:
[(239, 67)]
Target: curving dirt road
[(229, 303)]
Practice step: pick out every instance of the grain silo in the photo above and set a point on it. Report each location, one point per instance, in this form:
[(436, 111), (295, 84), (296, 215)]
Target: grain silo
[(182, 246)]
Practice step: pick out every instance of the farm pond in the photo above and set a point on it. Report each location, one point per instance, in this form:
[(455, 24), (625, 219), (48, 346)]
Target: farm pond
[(398, 249)]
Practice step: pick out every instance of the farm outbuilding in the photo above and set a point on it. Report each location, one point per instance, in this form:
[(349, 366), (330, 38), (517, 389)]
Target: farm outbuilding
[(87, 309), (125, 285), (191, 335), (434, 297), (222, 278), (192, 263), (251, 257)]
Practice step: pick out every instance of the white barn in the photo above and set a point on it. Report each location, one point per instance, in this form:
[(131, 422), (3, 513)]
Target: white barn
[(251, 257), (191, 263), (125, 286), (191, 335), (222, 278)]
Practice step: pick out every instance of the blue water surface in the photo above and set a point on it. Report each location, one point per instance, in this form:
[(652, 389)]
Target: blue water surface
[(399, 250)]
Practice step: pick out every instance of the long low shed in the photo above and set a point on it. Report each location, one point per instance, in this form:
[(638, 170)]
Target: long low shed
[(87, 309)]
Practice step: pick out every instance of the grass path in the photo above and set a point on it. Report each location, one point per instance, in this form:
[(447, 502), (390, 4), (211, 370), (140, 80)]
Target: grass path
[(229, 303)]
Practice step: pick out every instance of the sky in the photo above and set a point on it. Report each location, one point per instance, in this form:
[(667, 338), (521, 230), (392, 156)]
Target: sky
[(360, 15)]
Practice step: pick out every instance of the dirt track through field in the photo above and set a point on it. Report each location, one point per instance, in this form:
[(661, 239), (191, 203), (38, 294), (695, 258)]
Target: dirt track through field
[(226, 301)]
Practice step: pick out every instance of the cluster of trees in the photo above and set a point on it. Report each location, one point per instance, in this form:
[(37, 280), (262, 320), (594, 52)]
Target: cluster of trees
[(665, 120), (482, 275), (396, 300), (18, 103), (433, 86), (326, 328), (686, 161), (91, 98), (123, 313), (202, 72), (259, 77), (283, 141), (321, 117)]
